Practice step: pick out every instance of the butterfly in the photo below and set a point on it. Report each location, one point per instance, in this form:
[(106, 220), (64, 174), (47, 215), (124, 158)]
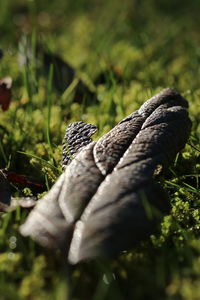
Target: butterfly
[(108, 199)]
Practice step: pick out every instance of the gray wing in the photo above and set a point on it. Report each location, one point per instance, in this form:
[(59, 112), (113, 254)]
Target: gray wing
[(111, 147), (128, 203), (113, 179), (52, 220), (76, 137), (46, 222)]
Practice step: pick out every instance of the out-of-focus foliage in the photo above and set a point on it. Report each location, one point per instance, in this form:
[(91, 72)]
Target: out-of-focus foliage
[(124, 52)]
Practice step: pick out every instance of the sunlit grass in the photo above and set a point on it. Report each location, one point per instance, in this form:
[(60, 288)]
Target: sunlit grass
[(151, 46)]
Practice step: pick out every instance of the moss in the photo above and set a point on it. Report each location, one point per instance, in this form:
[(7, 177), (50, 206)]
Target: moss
[(152, 45)]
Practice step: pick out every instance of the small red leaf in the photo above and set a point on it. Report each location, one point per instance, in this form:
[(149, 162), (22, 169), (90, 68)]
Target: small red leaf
[(21, 179), (5, 192), (5, 92)]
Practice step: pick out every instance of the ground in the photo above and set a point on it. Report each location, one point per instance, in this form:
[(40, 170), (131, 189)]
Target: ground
[(123, 52)]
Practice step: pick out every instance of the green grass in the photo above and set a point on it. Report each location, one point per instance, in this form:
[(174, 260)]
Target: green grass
[(153, 44)]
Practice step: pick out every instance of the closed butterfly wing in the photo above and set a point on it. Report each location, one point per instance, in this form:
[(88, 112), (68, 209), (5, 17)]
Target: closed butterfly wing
[(129, 202), (107, 199)]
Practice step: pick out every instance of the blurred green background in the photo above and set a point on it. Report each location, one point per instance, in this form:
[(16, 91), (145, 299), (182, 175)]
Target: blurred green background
[(123, 52)]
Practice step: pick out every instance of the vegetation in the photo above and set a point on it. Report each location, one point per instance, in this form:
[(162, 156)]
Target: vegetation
[(124, 52)]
